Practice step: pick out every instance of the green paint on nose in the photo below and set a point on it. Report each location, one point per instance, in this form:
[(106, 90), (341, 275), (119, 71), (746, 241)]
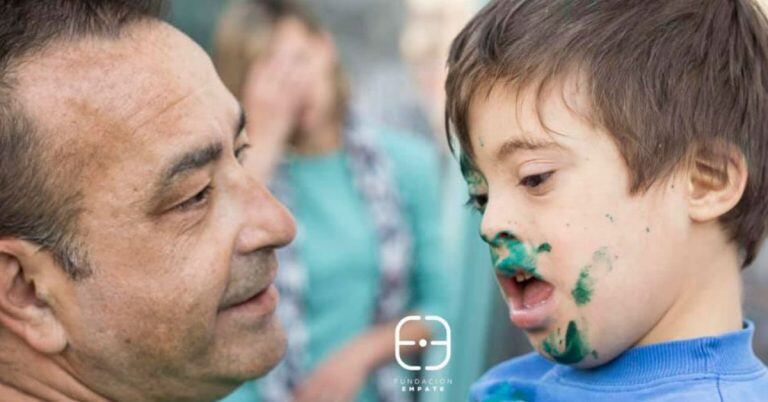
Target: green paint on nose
[(518, 256), (575, 349), (582, 291)]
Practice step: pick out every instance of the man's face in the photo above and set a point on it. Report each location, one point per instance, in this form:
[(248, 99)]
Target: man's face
[(587, 269), (180, 238)]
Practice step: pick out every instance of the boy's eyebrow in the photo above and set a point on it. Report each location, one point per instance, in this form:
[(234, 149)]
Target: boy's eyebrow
[(511, 146)]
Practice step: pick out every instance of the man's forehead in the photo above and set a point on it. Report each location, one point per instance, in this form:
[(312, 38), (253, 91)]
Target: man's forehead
[(112, 85)]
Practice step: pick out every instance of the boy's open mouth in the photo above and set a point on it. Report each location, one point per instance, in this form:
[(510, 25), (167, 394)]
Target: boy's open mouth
[(529, 298)]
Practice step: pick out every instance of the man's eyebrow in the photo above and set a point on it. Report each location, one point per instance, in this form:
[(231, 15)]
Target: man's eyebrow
[(200, 157), (192, 160), (511, 146)]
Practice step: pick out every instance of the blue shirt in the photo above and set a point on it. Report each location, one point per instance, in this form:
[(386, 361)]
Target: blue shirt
[(722, 368)]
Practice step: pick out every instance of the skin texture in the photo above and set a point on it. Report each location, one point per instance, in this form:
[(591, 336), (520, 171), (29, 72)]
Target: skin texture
[(151, 322), (551, 175)]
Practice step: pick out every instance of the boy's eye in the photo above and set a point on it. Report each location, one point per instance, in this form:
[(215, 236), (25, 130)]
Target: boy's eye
[(536, 180), (477, 202), (196, 200)]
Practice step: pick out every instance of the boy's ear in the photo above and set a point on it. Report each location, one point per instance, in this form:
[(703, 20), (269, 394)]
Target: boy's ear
[(718, 176), (25, 298)]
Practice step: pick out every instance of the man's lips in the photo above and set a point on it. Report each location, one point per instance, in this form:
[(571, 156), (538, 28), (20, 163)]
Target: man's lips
[(252, 292), (530, 298)]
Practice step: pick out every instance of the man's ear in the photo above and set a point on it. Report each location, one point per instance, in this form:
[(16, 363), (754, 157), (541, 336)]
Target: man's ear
[(25, 301), (718, 176)]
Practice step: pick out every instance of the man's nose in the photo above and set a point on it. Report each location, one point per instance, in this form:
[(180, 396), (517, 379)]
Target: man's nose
[(267, 221)]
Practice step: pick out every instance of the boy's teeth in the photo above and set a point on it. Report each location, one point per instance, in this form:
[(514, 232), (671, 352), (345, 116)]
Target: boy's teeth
[(523, 276)]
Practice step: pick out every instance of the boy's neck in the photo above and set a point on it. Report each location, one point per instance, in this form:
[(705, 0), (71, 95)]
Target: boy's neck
[(708, 305)]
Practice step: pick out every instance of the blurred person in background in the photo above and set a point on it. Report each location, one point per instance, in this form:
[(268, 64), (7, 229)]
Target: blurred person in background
[(366, 200)]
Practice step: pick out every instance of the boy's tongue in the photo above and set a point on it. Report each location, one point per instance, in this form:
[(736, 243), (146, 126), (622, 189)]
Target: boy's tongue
[(536, 291)]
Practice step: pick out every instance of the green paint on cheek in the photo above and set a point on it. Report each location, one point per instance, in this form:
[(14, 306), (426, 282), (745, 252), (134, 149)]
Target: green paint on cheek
[(610, 217), (603, 256), (471, 175), (517, 255), (582, 291), (575, 349)]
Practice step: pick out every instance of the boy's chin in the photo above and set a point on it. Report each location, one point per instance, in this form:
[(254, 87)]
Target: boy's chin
[(567, 343)]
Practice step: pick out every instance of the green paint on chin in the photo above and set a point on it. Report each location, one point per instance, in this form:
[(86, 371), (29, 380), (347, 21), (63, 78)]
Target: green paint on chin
[(518, 257), (575, 350), (582, 291)]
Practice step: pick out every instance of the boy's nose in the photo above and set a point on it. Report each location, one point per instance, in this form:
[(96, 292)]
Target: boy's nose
[(498, 238), (497, 224)]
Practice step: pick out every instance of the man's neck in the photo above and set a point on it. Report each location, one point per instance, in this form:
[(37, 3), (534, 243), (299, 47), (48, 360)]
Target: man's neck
[(709, 303), (27, 375)]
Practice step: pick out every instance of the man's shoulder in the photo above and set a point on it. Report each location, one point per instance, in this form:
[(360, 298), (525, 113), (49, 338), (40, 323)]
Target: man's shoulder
[(528, 368)]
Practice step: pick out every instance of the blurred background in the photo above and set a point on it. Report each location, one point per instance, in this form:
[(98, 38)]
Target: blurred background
[(393, 53)]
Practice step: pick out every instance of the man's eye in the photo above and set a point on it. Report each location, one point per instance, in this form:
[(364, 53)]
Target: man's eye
[(477, 202), (536, 180), (196, 200), (239, 152)]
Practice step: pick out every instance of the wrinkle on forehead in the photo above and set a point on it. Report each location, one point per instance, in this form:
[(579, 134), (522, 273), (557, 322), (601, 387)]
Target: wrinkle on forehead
[(85, 94), (118, 84)]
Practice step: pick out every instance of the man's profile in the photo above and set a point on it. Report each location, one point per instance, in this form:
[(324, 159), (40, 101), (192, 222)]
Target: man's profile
[(136, 253)]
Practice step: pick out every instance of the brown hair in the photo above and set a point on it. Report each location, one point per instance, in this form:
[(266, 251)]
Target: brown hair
[(35, 204), (243, 34), (667, 79)]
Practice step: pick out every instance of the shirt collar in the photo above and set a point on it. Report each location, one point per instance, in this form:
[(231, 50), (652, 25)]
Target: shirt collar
[(730, 353)]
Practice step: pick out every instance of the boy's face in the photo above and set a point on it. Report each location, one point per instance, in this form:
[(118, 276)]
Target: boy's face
[(605, 266)]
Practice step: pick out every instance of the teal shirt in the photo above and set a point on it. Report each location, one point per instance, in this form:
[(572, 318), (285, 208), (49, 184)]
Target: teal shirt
[(336, 241)]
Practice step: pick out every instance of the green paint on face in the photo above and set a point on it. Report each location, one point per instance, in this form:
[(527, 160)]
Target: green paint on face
[(603, 256), (582, 291), (575, 349), (610, 217), (517, 255), (594, 354), (473, 178)]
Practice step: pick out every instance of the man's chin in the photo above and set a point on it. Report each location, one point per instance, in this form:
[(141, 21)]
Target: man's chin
[(253, 356)]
